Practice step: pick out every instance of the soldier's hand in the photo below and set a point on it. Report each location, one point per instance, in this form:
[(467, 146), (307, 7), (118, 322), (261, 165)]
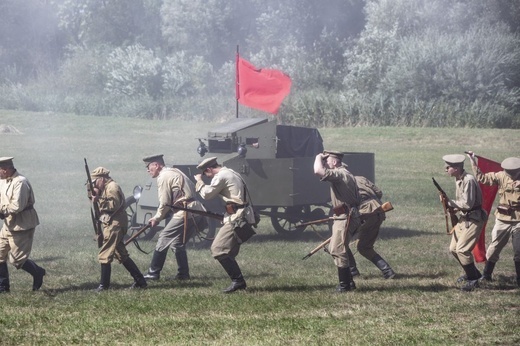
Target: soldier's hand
[(152, 222), (198, 177)]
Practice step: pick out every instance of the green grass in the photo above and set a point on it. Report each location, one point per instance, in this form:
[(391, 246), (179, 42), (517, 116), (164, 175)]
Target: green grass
[(289, 301)]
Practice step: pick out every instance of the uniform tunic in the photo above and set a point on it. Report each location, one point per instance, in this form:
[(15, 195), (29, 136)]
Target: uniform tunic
[(343, 190), (468, 200), (21, 219), (175, 188), (230, 187), (506, 226), (370, 196), (114, 222)]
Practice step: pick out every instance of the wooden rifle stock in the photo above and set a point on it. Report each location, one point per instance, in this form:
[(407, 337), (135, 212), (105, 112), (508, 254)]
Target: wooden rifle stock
[(448, 212), (217, 216), (316, 249), (137, 234), (94, 210)]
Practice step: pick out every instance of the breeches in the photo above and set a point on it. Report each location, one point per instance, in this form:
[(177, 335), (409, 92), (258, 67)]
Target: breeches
[(225, 243), (173, 234), (368, 232), (499, 238), (113, 245), (464, 240), (15, 246), (340, 239)]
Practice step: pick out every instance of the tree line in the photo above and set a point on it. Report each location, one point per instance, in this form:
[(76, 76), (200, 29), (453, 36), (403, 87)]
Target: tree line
[(352, 62)]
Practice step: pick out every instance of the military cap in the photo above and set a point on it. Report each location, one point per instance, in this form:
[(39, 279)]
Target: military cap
[(454, 159), (209, 162), (6, 161), (333, 153), (153, 158), (511, 163), (99, 172)]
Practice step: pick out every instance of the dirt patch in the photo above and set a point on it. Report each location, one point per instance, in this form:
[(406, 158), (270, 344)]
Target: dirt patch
[(8, 129)]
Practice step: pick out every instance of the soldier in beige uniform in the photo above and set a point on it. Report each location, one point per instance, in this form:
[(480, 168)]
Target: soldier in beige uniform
[(345, 203), (19, 223), (370, 196), (111, 201), (507, 215), (468, 202), (174, 188), (238, 220)]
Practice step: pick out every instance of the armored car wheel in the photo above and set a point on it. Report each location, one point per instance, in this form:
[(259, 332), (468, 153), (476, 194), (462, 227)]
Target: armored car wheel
[(285, 219)]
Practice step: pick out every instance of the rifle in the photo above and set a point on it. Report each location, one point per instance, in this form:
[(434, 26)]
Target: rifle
[(94, 210), (448, 212), (217, 216), (137, 234), (387, 206)]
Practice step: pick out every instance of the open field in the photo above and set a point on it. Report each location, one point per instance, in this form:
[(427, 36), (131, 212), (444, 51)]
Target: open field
[(289, 301)]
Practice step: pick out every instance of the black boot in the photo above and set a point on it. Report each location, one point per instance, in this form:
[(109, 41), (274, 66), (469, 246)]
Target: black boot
[(517, 267), (158, 259), (346, 283), (472, 275), (36, 272), (4, 278), (352, 263), (139, 280), (231, 267), (106, 271), (388, 273), (183, 270), (488, 271)]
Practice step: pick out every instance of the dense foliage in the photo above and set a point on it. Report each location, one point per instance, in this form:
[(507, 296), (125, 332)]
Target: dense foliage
[(352, 62)]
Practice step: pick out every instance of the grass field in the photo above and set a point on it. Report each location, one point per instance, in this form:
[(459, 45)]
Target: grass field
[(289, 301)]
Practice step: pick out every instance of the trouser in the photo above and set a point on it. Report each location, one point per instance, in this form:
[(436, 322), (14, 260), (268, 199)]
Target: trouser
[(113, 245), (340, 239), (225, 243), (500, 235), (464, 240), (15, 246), (367, 235)]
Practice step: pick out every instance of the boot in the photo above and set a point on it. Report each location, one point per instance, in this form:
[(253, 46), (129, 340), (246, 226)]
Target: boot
[(36, 272), (158, 259), (139, 280), (352, 263), (517, 267), (4, 278), (346, 283), (472, 275), (231, 267), (106, 270), (183, 271), (388, 273), (488, 271)]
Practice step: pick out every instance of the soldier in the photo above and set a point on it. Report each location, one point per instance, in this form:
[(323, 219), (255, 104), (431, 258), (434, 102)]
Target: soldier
[(174, 189), (507, 215), (111, 201), (468, 202), (367, 234), (20, 221), (238, 220), (345, 202)]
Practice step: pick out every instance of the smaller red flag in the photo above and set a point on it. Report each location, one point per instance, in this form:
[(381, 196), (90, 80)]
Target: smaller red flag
[(488, 197), (262, 89)]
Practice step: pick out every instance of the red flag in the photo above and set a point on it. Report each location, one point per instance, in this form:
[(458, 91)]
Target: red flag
[(488, 197), (261, 89)]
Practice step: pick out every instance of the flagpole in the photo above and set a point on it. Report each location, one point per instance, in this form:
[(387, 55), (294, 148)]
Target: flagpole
[(237, 85)]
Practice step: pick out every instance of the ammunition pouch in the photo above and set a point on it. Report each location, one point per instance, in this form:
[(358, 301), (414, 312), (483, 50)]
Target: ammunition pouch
[(341, 209), (232, 208)]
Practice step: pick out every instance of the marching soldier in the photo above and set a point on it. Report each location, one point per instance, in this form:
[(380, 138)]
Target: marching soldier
[(468, 202), (20, 221), (238, 220), (370, 196), (111, 201), (507, 215), (174, 189), (345, 202)]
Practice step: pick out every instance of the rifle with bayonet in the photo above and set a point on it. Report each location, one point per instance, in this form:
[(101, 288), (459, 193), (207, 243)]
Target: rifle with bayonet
[(448, 211), (94, 209), (387, 206)]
